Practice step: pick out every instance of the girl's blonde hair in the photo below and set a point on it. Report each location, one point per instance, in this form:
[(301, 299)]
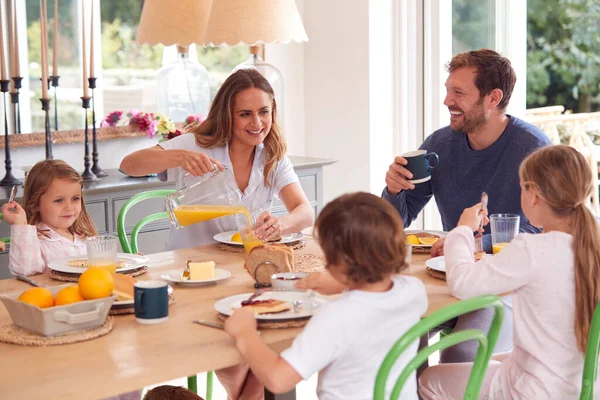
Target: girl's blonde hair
[(562, 177), (39, 180), (217, 129)]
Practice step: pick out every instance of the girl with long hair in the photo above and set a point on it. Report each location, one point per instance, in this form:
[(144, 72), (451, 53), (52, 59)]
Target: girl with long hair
[(52, 223), (554, 278)]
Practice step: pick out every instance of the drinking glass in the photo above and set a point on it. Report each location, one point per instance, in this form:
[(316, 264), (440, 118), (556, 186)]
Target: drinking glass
[(102, 252), (504, 228), (245, 225)]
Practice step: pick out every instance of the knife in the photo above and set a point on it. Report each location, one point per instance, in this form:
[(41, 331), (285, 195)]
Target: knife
[(27, 280), (208, 323)]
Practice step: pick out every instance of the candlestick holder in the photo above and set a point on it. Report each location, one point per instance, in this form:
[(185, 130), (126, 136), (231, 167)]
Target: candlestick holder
[(87, 174), (17, 80), (96, 165), (54, 80), (48, 136), (9, 179)]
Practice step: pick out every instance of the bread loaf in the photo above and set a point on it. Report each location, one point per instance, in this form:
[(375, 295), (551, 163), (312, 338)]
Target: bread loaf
[(279, 258)]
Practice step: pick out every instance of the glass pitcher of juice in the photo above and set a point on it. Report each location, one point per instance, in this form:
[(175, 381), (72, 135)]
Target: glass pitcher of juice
[(208, 197)]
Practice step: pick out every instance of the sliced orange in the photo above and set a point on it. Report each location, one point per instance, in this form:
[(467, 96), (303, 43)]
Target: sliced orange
[(428, 240), (412, 239)]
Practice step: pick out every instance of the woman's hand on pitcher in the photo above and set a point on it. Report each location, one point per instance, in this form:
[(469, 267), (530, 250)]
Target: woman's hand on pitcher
[(268, 227), (199, 164)]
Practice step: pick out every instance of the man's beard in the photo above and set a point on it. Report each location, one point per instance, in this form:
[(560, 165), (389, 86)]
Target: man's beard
[(471, 121)]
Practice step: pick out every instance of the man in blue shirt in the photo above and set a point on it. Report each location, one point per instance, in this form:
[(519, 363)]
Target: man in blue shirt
[(480, 151)]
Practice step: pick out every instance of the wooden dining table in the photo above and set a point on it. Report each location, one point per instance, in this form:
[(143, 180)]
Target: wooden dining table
[(133, 355)]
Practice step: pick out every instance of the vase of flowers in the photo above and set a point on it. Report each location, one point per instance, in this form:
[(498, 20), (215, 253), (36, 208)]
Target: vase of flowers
[(152, 124)]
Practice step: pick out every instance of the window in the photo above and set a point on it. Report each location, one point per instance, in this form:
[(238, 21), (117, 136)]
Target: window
[(126, 70)]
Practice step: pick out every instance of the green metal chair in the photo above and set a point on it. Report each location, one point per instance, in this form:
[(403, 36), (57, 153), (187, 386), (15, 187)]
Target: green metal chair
[(133, 248), (484, 352), (590, 363)]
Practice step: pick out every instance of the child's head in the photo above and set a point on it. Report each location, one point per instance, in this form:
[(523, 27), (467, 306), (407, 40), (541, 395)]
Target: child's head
[(559, 179), (54, 197), (362, 237), (168, 392)]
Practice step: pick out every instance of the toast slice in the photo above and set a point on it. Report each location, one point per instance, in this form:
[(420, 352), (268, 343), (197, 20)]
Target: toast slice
[(123, 286)]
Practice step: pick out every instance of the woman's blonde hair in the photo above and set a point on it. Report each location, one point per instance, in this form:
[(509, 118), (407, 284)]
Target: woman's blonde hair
[(39, 180), (217, 129), (562, 177)]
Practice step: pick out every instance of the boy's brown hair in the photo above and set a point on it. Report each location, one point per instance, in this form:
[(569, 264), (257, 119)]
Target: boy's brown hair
[(168, 392), (363, 233), (493, 72)]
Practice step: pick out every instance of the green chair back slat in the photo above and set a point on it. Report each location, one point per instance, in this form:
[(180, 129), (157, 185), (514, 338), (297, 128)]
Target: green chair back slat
[(138, 227), (484, 352), (590, 363), (121, 231)]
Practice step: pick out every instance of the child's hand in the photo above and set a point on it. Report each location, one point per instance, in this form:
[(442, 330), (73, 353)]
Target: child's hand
[(14, 214), (322, 282), (472, 216), (241, 322)]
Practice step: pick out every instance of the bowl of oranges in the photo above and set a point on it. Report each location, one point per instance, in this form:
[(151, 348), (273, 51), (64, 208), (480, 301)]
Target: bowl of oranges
[(65, 308)]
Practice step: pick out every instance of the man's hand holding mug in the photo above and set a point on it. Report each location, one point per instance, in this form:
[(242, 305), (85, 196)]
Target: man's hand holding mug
[(410, 169)]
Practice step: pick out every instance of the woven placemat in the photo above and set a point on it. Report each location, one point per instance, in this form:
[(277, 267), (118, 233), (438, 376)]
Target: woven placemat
[(436, 274), (14, 335), (131, 310), (290, 323), (300, 244), (67, 277), (421, 250), (308, 263)]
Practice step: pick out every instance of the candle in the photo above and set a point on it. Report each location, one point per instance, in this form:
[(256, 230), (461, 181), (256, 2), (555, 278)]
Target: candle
[(92, 74), (43, 38), (2, 60), (17, 65), (85, 74), (55, 41)]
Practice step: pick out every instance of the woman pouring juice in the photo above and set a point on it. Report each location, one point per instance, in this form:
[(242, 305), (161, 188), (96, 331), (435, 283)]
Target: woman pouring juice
[(240, 134)]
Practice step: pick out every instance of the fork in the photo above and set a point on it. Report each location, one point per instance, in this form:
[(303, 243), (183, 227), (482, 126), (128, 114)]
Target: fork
[(484, 204), (13, 193)]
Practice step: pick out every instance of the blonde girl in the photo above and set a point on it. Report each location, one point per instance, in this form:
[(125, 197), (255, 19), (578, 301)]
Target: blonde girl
[(554, 278), (53, 222)]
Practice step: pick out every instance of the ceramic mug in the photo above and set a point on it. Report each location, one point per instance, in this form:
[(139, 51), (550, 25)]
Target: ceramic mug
[(151, 302), (419, 163)]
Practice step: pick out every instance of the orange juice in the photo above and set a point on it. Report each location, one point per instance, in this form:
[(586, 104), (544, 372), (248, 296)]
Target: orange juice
[(497, 247), (189, 215), (109, 267), (192, 214)]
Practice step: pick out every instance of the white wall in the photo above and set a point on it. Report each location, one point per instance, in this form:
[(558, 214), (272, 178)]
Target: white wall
[(336, 96)]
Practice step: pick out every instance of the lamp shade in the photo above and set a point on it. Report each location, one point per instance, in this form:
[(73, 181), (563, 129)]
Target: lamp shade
[(180, 22), (254, 22)]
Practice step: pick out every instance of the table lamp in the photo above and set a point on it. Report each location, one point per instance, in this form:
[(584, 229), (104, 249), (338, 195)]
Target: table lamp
[(183, 85), (255, 23)]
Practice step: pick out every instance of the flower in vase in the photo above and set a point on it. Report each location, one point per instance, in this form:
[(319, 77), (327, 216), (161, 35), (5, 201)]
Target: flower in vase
[(112, 119), (165, 125)]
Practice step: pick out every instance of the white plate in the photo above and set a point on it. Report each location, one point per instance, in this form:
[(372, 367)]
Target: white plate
[(129, 303), (226, 305), (174, 276), (437, 263), (132, 261), (225, 237), (441, 234)]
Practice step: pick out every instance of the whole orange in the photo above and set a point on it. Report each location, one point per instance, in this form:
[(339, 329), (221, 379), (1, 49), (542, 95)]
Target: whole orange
[(96, 283), (68, 295), (41, 297)]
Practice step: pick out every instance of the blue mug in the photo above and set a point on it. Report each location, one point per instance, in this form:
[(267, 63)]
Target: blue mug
[(151, 302), (419, 163)]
